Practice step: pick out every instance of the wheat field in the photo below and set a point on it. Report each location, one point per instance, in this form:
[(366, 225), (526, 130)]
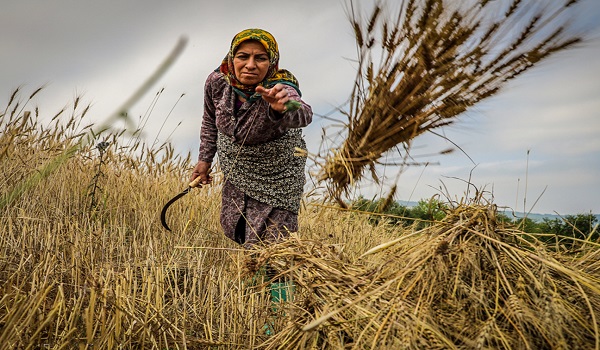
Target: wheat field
[(86, 263)]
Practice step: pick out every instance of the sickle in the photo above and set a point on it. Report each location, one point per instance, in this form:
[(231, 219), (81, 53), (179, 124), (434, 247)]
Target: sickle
[(163, 213)]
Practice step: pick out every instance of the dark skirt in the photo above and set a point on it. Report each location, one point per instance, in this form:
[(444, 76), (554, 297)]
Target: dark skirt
[(250, 222)]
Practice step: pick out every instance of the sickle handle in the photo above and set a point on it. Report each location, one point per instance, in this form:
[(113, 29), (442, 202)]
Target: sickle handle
[(195, 182)]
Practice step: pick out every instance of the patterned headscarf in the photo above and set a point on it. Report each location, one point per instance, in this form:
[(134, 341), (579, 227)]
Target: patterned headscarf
[(274, 74)]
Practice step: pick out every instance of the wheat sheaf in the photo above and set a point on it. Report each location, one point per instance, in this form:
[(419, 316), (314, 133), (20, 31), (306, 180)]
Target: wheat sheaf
[(419, 69)]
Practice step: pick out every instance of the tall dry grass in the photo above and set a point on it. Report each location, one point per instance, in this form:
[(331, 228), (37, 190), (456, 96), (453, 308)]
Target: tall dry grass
[(99, 272), (105, 276), (85, 263)]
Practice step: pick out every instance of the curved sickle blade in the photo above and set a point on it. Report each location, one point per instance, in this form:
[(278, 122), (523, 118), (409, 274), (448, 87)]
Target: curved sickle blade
[(163, 213)]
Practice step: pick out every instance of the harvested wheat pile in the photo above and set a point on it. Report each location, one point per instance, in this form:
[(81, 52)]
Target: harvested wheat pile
[(466, 282)]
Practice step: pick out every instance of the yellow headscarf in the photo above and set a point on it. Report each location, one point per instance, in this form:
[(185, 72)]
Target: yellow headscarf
[(274, 74)]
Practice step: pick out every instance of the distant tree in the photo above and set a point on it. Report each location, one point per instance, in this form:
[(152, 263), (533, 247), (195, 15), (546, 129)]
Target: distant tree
[(423, 214), (427, 212), (364, 204), (504, 219), (527, 225), (577, 226), (580, 226), (393, 212)]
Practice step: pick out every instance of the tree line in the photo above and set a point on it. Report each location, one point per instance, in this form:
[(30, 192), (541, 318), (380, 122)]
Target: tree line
[(562, 230)]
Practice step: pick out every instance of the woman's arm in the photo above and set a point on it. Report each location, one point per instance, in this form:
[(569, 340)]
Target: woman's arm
[(208, 137), (208, 131), (277, 97)]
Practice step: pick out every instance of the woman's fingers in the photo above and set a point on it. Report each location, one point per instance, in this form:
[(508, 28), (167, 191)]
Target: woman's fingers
[(277, 92), (276, 96)]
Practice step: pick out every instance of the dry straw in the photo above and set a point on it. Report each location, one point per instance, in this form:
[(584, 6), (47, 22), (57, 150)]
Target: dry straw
[(467, 282), (421, 69), (110, 278)]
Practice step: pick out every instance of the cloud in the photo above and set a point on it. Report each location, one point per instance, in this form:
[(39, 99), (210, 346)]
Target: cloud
[(105, 50)]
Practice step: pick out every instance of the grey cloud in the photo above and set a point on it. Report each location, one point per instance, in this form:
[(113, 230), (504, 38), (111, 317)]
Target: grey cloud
[(105, 49)]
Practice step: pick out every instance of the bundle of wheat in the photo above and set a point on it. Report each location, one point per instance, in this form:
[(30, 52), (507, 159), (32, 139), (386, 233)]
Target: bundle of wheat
[(420, 70), (465, 282)]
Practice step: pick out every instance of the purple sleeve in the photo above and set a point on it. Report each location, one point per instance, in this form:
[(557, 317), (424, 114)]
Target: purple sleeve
[(208, 131), (296, 119)]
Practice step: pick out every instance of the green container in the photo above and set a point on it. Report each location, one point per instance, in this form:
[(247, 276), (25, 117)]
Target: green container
[(281, 292)]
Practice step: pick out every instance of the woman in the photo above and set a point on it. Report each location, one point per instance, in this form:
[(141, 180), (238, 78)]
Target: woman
[(251, 124)]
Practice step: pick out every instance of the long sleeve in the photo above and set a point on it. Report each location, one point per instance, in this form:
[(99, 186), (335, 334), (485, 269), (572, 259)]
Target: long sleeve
[(296, 119), (208, 131)]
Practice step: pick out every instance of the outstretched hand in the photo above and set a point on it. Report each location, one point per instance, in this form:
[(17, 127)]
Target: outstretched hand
[(277, 96)]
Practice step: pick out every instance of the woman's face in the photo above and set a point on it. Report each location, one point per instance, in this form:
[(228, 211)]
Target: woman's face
[(251, 62)]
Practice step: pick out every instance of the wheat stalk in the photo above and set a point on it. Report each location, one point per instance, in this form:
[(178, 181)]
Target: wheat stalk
[(420, 69)]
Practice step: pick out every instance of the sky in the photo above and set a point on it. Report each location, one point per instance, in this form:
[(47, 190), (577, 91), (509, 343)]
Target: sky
[(532, 147)]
